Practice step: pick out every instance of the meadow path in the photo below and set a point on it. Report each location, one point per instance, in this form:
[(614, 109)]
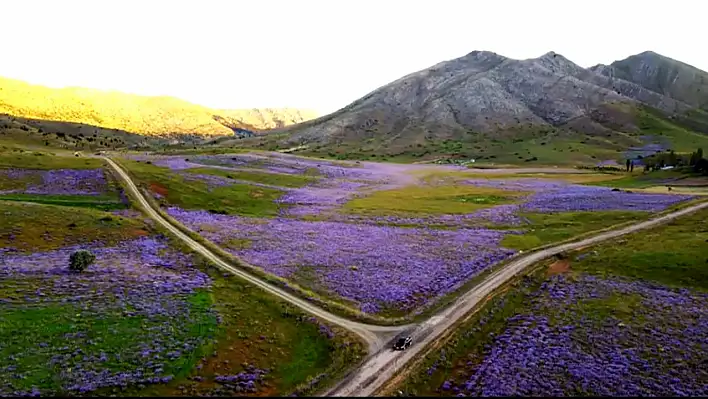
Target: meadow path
[(383, 363)]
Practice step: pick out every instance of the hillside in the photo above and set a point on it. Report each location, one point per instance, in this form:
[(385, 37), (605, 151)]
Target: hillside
[(487, 106), (661, 75), (150, 116)]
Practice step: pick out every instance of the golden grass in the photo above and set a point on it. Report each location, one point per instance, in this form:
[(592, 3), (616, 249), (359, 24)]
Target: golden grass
[(133, 113)]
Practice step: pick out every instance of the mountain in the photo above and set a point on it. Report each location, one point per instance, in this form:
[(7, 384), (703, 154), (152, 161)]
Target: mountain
[(661, 75), (487, 106), (150, 116)]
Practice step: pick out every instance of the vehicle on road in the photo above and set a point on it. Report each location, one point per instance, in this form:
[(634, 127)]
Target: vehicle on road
[(402, 343)]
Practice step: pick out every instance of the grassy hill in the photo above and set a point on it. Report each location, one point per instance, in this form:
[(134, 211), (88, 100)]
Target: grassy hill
[(149, 116)]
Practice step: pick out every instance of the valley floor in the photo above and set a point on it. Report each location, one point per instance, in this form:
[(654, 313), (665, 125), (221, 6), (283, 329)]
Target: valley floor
[(149, 317), (384, 240)]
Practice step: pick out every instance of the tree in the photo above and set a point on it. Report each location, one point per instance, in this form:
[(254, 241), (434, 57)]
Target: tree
[(696, 156), (80, 260)]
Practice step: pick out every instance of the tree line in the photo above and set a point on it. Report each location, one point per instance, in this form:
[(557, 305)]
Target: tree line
[(695, 160)]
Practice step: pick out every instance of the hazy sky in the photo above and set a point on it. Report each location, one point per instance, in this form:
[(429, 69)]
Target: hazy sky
[(316, 54)]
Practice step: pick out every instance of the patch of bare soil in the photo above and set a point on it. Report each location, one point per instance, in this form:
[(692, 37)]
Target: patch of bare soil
[(558, 267), (158, 188)]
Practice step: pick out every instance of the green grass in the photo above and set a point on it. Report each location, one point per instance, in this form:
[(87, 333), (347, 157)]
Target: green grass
[(40, 160), (275, 179), (675, 254), (430, 200), (103, 202), (266, 332), (681, 139), (33, 227), (644, 180), (548, 228), (237, 199), (111, 332)]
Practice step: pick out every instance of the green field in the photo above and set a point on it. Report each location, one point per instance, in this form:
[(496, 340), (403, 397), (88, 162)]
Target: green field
[(429, 200), (236, 199), (32, 227), (43, 160), (102, 202), (548, 228), (275, 179)]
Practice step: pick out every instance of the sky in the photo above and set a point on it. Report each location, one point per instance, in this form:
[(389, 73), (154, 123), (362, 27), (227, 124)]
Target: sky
[(313, 54)]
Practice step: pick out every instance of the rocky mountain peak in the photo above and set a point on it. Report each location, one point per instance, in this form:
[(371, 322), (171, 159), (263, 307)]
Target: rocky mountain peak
[(559, 64)]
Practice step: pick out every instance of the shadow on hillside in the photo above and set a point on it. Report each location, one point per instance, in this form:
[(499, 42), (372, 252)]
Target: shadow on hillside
[(71, 135)]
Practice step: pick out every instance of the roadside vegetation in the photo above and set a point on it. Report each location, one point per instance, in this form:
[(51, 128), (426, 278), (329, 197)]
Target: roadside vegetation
[(217, 196), (609, 313)]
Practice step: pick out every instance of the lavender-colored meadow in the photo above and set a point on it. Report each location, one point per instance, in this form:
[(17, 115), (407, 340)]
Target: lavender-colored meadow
[(557, 196), (363, 258), (56, 182), (375, 266), (556, 347)]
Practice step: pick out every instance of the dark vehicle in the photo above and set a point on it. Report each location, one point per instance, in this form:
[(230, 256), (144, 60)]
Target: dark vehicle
[(402, 343)]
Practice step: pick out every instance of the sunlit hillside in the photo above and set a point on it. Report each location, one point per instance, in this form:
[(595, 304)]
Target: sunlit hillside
[(136, 114)]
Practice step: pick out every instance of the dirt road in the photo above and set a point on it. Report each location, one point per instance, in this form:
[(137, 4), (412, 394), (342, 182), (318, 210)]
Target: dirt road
[(383, 365), (374, 336)]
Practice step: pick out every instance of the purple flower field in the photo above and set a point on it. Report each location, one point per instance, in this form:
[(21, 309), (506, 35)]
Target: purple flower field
[(346, 254), (562, 345), (557, 196), (57, 182), (378, 267), (124, 321)]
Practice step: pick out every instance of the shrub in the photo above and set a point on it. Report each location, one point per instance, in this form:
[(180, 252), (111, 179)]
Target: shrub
[(80, 260)]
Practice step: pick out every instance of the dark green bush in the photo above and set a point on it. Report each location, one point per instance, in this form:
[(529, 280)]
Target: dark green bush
[(80, 260)]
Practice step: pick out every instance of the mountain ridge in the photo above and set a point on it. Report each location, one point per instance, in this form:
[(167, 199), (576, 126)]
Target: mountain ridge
[(471, 99), (145, 115)]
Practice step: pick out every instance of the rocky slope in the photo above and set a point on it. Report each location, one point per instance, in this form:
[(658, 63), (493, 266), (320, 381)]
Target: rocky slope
[(661, 75), (484, 97), (151, 116)]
